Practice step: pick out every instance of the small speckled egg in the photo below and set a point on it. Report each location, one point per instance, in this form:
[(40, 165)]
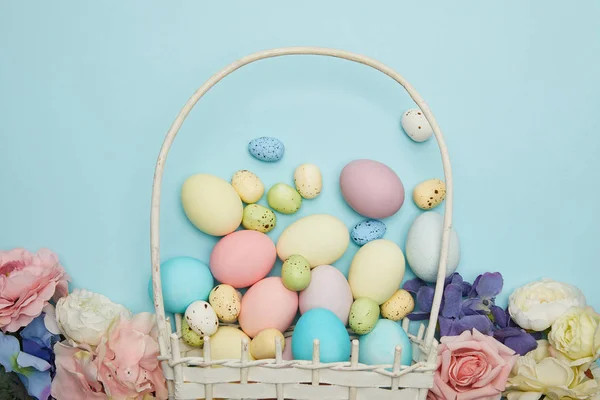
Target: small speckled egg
[(284, 198), (416, 125), (258, 218), (367, 230), (201, 318), (429, 194), (248, 186), (267, 149), (295, 273), (364, 314), (263, 344), (226, 301), (190, 337), (398, 306), (308, 180)]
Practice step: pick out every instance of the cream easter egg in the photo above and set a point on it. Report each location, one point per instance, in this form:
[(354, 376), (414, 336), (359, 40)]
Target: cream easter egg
[(248, 186), (328, 289), (226, 344), (226, 302), (201, 318), (398, 306), (320, 239), (377, 270), (242, 258), (263, 344), (211, 204), (416, 126), (308, 180), (267, 304), (429, 194), (423, 244)]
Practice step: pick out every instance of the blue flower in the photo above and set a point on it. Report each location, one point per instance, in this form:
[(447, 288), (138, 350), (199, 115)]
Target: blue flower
[(39, 341), (33, 371)]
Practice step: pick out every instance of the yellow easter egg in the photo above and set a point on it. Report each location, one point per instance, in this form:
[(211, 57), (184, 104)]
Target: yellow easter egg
[(263, 344), (429, 194), (226, 302), (308, 180), (248, 186), (398, 306), (226, 343), (211, 204)]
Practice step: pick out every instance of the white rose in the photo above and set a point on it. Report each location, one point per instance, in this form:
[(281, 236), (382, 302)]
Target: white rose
[(84, 316), (573, 335), (538, 304)]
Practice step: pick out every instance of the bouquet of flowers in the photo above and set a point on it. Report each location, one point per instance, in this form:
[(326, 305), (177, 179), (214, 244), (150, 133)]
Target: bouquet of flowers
[(544, 344), (70, 346)]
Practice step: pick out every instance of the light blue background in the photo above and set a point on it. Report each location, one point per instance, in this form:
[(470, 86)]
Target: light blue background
[(89, 89)]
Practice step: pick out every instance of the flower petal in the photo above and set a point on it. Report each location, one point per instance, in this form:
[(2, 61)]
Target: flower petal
[(418, 316), (454, 278), (490, 285), (425, 298), (500, 316), (479, 322), (37, 383), (466, 288), (413, 285), (9, 349), (551, 372), (452, 301), (521, 344), (25, 360), (473, 292), (447, 326)]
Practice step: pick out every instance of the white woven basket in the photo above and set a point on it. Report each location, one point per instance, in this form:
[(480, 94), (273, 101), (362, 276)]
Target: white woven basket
[(190, 372)]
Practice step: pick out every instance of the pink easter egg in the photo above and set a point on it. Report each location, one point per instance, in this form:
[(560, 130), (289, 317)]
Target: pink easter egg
[(242, 258), (328, 289), (267, 304), (371, 188), (287, 350)]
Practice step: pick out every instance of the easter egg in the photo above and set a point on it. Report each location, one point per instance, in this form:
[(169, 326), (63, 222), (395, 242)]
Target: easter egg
[(377, 270), (429, 194), (423, 244), (287, 350), (201, 317), (242, 258), (367, 230), (263, 344), (416, 126), (211, 204), (364, 314), (226, 302), (248, 186), (308, 180), (371, 188), (267, 149), (190, 337), (184, 280), (284, 198), (226, 344), (258, 218), (398, 306), (295, 273), (267, 304), (378, 346), (328, 289), (323, 325), (320, 238)]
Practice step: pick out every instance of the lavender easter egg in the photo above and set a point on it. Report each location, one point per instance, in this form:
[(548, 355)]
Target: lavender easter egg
[(371, 188), (328, 289)]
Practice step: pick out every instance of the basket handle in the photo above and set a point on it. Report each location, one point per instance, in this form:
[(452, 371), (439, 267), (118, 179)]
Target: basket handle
[(317, 51)]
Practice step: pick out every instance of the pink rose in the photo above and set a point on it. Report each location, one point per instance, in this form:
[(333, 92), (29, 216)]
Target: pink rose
[(127, 359), (27, 283), (471, 366)]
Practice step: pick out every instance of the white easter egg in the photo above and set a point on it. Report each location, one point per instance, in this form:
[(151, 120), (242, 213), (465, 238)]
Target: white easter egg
[(201, 318), (423, 244), (211, 204), (320, 239), (308, 180), (377, 270), (416, 125)]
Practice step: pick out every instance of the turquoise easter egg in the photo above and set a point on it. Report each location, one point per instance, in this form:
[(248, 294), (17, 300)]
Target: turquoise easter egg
[(377, 347), (322, 324), (184, 280)]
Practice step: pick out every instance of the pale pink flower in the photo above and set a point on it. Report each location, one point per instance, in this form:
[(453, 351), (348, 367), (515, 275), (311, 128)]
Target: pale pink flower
[(127, 359), (27, 283), (76, 374), (472, 366)]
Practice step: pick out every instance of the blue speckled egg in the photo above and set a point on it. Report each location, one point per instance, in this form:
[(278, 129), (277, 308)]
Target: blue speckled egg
[(267, 149), (367, 230)]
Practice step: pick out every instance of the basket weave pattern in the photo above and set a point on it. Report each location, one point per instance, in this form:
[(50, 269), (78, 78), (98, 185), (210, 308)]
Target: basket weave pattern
[(192, 374)]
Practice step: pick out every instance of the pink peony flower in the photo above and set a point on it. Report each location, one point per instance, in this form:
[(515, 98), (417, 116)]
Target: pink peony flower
[(76, 374), (127, 359), (27, 283), (471, 366)]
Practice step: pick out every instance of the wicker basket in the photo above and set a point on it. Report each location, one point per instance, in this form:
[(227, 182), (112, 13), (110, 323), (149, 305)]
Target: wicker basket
[(190, 372)]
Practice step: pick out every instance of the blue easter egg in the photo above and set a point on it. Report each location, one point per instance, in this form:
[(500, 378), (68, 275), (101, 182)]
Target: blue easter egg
[(377, 347), (322, 324), (367, 230), (184, 280), (267, 149)]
